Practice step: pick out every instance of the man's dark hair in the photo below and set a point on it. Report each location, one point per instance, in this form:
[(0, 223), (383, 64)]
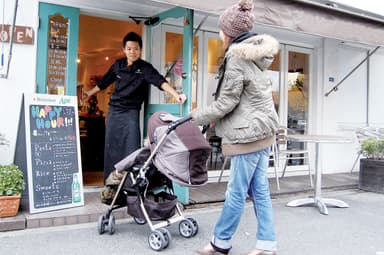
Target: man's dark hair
[(133, 37)]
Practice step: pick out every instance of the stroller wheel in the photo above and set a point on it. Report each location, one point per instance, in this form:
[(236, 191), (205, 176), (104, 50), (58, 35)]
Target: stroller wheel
[(156, 240), (167, 236), (187, 229), (100, 225), (139, 221), (195, 225), (111, 225)]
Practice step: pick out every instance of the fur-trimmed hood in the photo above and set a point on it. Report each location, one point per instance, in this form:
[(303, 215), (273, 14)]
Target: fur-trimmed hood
[(258, 48)]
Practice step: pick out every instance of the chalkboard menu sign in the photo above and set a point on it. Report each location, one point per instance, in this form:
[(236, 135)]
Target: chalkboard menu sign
[(53, 152)]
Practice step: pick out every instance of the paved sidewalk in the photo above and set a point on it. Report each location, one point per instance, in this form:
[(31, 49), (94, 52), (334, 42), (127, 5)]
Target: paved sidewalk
[(300, 231), (200, 197)]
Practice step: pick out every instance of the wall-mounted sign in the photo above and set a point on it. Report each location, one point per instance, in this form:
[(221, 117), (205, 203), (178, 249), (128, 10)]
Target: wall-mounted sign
[(22, 35)]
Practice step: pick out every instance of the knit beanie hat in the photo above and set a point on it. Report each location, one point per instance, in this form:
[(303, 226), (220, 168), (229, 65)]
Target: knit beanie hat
[(237, 18)]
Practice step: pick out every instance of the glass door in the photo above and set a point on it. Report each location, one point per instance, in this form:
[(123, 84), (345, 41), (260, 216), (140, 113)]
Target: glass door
[(172, 63), (213, 57), (297, 85), (298, 88), (167, 57)]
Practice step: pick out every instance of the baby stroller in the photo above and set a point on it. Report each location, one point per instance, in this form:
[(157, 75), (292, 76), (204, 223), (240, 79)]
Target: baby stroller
[(178, 153)]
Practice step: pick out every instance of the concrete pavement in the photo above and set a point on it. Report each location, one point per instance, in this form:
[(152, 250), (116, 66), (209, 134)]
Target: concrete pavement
[(300, 231)]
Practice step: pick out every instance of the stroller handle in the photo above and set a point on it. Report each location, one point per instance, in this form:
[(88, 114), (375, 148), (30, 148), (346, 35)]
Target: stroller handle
[(172, 126)]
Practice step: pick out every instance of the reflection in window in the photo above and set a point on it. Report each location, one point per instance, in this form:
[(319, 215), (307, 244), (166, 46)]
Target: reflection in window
[(274, 74), (298, 83), (298, 92), (174, 65), (215, 59)]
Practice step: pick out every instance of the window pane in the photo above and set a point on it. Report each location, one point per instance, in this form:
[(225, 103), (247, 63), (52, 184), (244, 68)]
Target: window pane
[(274, 75), (174, 65)]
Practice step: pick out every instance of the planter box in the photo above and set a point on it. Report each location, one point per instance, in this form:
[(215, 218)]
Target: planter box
[(9, 205), (371, 175)]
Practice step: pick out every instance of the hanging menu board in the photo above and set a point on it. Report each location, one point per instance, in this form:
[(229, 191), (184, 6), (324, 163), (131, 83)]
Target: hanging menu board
[(53, 152), (57, 54)]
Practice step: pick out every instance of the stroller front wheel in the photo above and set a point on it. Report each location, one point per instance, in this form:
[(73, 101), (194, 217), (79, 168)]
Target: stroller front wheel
[(100, 225), (111, 224), (156, 240), (167, 236), (195, 226), (188, 228)]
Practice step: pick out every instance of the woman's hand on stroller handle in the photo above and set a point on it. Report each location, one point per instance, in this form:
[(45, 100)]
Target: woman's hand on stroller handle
[(175, 124)]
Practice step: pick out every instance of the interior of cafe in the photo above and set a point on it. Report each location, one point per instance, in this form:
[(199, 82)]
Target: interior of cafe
[(100, 45)]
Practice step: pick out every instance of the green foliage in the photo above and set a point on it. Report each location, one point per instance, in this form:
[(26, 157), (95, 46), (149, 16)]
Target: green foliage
[(11, 180), (373, 148), (380, 147)]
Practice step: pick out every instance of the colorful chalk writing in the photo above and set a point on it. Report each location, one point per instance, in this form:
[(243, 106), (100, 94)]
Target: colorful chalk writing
[(47, 117)]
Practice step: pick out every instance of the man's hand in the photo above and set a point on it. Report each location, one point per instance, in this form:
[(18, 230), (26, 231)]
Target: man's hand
[(86, 97), (181, 98)]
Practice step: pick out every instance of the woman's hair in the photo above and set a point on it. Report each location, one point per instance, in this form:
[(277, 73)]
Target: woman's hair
[(133, 37)]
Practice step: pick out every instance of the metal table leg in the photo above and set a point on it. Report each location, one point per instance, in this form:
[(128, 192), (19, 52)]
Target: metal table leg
[(317, 200)]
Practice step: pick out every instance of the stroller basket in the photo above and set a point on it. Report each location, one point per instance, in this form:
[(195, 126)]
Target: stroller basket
[(159, 206)]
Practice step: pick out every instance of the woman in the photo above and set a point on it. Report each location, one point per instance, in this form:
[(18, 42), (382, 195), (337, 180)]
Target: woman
[(132, 77), (245, 118)]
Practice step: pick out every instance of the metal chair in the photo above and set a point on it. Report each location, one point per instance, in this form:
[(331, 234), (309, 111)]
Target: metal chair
[(223, 168), (287, 154), (216, 153), (274, 159)]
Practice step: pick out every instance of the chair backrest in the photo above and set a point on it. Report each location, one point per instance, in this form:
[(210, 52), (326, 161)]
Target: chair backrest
[(367, 132), (281, 138)]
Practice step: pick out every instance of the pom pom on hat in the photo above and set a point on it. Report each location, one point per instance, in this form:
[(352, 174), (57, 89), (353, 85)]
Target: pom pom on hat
[(237, 18), (245, 4)]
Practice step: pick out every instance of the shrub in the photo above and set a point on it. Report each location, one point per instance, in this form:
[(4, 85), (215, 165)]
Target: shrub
[(373, 148), (11, 180)]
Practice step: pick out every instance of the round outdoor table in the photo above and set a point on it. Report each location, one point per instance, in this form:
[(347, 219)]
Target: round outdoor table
[(317, 200)]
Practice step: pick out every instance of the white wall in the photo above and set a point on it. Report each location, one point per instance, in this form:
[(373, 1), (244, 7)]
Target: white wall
[(21, 78), (346, 108), (376, 105)]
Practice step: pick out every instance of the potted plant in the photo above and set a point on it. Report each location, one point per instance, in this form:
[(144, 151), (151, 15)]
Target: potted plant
[(371, 175), (12, 186)]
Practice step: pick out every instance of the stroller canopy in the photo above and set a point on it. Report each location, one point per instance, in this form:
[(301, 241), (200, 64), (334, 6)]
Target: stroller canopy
[(183, 155)]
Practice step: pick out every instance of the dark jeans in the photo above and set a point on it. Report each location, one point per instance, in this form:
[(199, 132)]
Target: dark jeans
[(122, 136)]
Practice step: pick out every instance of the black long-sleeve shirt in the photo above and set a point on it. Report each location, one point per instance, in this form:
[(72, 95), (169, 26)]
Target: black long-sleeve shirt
[(131, 82)]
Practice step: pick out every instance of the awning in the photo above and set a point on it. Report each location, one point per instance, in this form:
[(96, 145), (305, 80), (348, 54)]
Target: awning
[(300, 17)]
